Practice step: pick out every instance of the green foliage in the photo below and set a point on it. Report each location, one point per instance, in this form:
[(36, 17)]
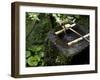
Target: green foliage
[(30, 17), (28, 54), (36, 48), (33, 60), (39, 50), (35, 55)]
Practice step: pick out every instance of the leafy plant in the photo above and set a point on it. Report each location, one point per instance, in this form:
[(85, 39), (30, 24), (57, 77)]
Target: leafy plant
[(39, 50), (28, 54), (33, 60)]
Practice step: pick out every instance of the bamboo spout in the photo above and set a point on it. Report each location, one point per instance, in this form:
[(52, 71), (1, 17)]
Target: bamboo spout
[(67, 26), (77, 40)]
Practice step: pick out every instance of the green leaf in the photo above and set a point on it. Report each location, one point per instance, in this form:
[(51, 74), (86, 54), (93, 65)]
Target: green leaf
[(36, 48), (77, 16), (28, 53), (41, 63), (41, 54), (33, 60)]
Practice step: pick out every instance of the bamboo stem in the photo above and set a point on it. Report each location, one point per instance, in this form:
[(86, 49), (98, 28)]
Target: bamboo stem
[(67, 26), (78, 34), (77, 40)]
